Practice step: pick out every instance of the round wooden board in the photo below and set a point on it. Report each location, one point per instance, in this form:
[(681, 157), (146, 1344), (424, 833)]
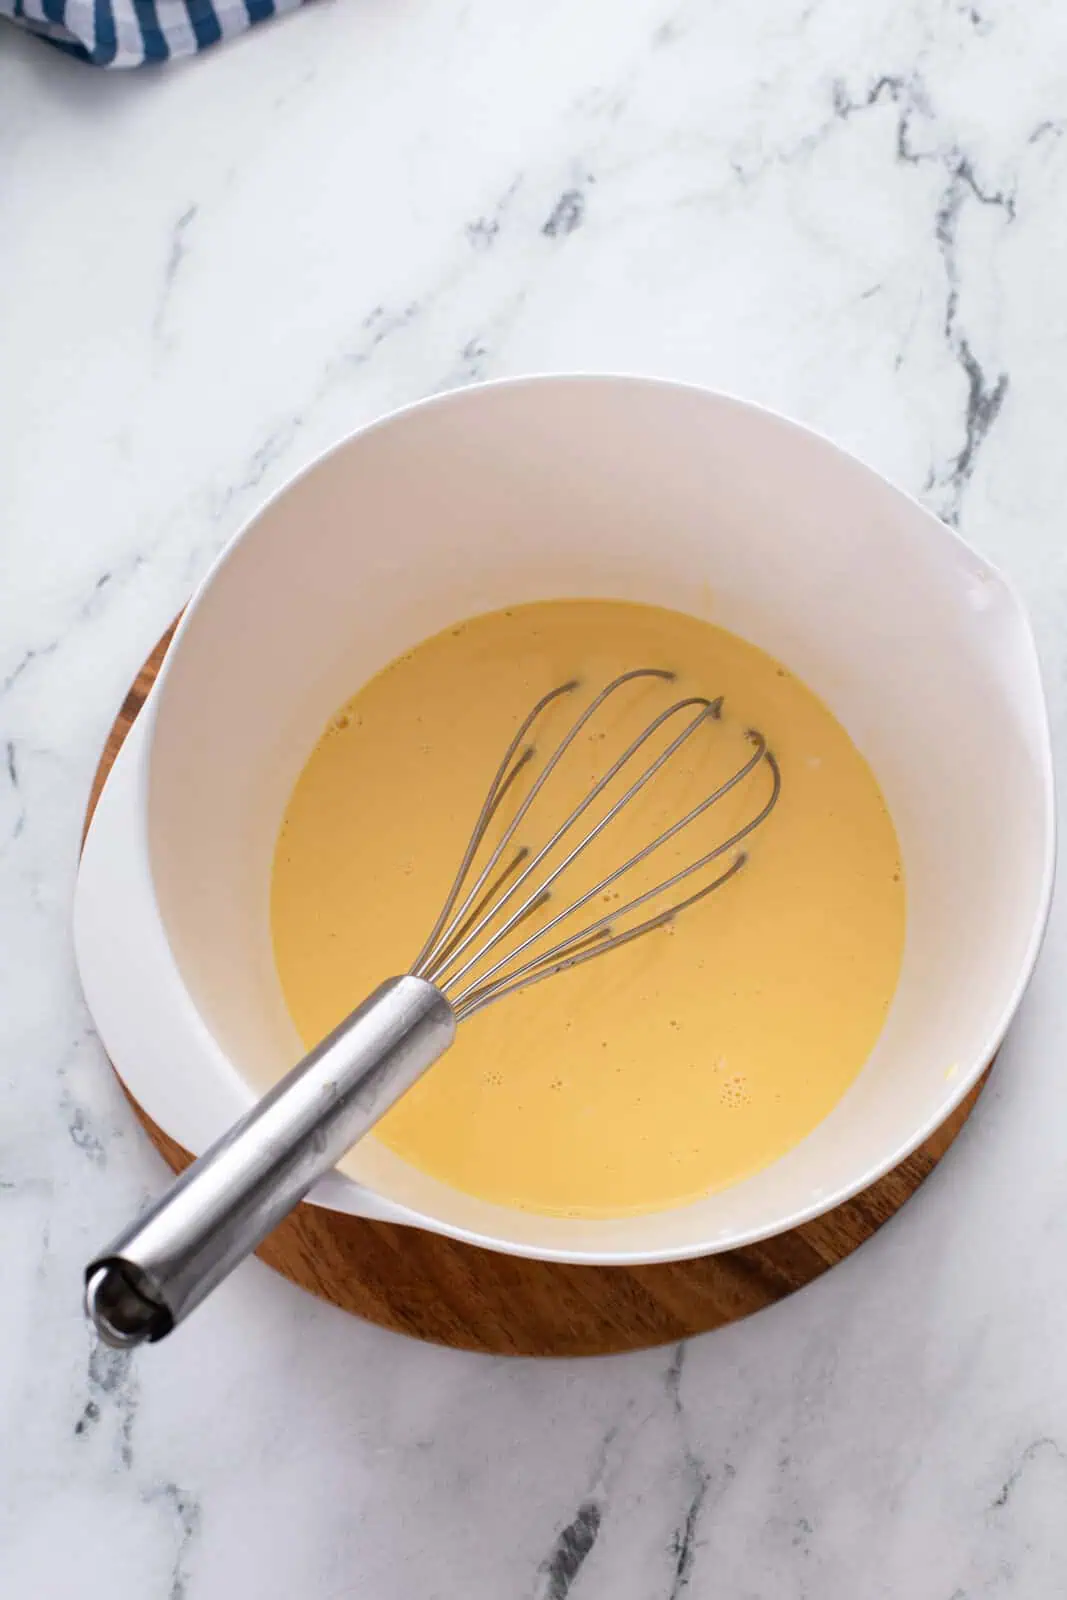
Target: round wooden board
[(454, 1294)]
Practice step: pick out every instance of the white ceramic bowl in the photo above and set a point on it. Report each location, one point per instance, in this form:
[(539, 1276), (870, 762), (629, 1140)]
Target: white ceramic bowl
[(582, 486)]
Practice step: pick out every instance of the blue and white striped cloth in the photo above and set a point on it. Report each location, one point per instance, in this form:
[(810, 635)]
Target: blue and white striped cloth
[(132, 33)]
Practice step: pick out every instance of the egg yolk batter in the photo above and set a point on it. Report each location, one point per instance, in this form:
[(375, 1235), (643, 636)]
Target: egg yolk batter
[(679, 1063)]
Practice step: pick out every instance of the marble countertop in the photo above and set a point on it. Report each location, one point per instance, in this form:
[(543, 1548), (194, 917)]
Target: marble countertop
[(854, 213)]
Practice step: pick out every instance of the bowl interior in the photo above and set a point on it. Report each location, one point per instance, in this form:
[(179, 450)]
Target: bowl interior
[(632, 490)]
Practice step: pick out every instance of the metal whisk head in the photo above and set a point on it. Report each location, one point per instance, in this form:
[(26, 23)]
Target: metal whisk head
[(475, 954)]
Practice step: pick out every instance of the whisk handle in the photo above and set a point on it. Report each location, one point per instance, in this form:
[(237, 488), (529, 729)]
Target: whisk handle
[(222, 1206)]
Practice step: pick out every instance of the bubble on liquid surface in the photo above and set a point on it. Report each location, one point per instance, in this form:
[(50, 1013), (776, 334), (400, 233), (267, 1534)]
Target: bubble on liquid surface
[(734, 1091)]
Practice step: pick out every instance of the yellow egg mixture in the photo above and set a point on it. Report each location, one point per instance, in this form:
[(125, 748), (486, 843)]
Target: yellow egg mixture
[(669, 1068)]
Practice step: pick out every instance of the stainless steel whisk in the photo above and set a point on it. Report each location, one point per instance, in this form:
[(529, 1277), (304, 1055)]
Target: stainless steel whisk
[(157, 1270)]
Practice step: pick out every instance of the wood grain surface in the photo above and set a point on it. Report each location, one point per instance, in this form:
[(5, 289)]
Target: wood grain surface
[(454, 1294)]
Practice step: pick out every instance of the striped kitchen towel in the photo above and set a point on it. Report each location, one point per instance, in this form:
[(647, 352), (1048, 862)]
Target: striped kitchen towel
[(129, 33)]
